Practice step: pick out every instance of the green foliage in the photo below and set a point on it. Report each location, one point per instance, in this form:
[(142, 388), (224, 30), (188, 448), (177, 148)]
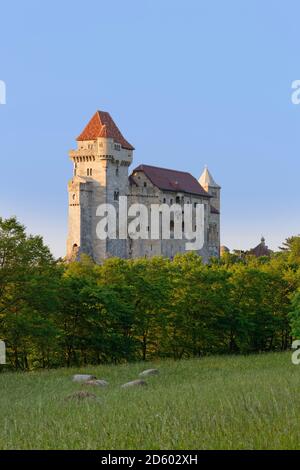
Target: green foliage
[(54, 314)]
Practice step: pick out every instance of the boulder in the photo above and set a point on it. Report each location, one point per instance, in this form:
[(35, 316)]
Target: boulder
[(134, 383), (83, 377), (148, 372)]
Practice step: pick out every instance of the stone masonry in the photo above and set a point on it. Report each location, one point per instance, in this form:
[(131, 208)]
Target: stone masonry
[(101, 165)]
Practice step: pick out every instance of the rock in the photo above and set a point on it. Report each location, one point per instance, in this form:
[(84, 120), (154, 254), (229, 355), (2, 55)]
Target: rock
[(96, 383), (134, 383), (83, 377), (81, 395), (147, 372)]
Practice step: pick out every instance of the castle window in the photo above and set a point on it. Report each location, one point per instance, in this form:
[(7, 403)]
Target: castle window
[(195, 204), (116, 195), (177, 199), (117, 171), (172, 225), (145, 184), (88, 172), (164, 200), (91, 171)]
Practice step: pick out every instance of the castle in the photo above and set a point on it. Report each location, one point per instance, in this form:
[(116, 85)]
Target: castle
[(101, 162)]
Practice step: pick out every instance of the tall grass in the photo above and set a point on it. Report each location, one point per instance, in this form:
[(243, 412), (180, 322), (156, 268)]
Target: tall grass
[(212, 403)]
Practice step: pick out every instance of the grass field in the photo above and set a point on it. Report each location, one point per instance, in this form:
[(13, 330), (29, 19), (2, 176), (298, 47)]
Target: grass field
[(213, 403)]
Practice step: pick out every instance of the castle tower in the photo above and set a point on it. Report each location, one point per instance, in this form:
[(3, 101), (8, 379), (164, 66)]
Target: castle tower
[(100, 163), (208, 183)]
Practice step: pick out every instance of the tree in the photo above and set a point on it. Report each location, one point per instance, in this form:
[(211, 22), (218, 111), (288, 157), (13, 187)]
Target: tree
[(28, 280)]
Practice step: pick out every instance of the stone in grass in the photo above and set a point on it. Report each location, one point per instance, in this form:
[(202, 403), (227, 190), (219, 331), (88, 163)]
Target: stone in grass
[(83, 377), (147, 372), (81, 395), (134, 383), (96, 383)]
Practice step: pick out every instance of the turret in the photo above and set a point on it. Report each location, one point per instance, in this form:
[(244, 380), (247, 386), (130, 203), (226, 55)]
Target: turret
[(208, 183)]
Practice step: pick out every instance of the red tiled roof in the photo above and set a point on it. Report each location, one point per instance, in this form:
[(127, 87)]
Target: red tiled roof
[(102, 125), (172, 180)]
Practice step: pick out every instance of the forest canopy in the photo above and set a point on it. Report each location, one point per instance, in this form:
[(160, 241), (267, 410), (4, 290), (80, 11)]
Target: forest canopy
[(55, 314)]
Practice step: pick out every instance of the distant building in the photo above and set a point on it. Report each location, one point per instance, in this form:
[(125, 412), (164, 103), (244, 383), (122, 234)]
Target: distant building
[(101, 163), (261, 249)]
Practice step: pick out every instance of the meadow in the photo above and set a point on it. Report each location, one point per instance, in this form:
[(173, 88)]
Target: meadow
[(220, 402)]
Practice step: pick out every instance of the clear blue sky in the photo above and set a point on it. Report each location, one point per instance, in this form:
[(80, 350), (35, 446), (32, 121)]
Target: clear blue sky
[(189, 83)]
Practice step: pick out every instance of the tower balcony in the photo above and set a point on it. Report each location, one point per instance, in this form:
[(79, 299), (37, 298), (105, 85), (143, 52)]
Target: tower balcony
[(82, 153)]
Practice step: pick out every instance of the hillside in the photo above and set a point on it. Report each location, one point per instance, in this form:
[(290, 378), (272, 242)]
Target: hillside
[(239, 402)]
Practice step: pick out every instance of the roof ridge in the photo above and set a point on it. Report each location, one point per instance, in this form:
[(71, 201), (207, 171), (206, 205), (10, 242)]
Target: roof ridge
[(163, 168)]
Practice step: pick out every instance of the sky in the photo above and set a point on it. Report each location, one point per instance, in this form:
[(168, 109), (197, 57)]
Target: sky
[(188, 83)]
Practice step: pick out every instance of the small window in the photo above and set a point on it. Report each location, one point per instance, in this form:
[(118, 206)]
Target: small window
[(171, 201), (88, 172), (164, 200), (91, 172), (177, 199), (172, 225), (117, 171), (116, 195), (145, 184)]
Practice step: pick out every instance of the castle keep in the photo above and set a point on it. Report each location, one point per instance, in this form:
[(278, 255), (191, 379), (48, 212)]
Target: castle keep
[(101, 175)]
